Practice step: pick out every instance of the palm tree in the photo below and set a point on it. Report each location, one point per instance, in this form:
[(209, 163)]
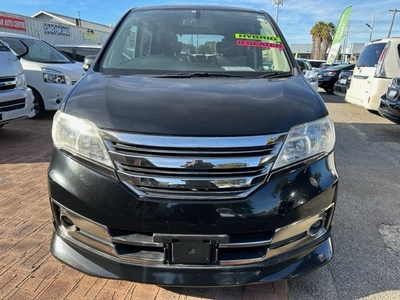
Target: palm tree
[(322, 34)]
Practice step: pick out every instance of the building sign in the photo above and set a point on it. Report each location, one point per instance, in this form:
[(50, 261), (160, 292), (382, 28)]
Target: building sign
[(91, 37), (12, 23), (56, 29)]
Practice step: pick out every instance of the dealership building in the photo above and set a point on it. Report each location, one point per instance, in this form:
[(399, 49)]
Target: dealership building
[(55, 28)]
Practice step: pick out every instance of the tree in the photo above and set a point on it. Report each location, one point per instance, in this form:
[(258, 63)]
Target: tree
[(322, 34)]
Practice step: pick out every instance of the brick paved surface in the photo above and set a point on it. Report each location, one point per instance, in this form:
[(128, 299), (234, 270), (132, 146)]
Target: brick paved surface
[(28, 270)]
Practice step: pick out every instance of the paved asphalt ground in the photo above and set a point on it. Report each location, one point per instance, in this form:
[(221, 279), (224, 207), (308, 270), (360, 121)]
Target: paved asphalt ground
[(366, 228), (366, 263)]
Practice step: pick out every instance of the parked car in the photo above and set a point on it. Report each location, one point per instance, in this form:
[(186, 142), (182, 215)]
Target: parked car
[(16, 99), (308, 72), (49, 73), (378, 63), (328, 77), (193, 172), (78, 52), (389, 107), (343, 83), (316, 63)]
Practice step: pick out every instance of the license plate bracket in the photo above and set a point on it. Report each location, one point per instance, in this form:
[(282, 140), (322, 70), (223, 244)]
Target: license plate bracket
[(392, 94), (191, 249)]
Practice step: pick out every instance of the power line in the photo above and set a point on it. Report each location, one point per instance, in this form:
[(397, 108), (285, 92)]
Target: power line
[(361, 28), (394, 11)]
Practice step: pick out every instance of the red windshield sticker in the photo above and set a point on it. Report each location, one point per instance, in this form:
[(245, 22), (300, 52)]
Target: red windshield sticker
[(259, 44)]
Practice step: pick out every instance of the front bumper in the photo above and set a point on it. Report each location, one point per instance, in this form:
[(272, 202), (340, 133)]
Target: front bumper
[(52, 94), (103, 229), (293, 264), (389, 110), (326, 83), (340, 89), (15, 105)]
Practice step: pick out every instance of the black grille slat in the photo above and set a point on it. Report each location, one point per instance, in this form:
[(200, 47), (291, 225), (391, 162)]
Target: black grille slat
[(191, 172), (12, 105), (7, 83), (128, 149), (141, 247)]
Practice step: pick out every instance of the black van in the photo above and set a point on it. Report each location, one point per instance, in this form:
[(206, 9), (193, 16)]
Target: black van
[(182, 158)]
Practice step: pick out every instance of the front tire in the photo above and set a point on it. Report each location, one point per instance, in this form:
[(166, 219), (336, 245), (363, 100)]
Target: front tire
[(38, 105)]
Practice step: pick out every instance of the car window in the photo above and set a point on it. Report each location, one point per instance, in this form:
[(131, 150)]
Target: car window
[(315, 63), (307, 65), (81, 53), (370, 55), (39, 51), (301, 64), (3, 47), (165, 41)]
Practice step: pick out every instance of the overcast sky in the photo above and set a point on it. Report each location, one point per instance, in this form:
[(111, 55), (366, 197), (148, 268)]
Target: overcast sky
[(295, 17)]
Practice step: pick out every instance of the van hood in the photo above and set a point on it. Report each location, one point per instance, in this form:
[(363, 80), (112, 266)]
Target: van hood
[(10, 65), (194, 106)]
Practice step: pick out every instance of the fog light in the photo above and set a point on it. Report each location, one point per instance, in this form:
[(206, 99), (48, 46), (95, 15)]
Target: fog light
[(67, 223), (316, 227)]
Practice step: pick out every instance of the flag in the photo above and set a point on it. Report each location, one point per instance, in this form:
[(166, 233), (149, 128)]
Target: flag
[(340, 31)]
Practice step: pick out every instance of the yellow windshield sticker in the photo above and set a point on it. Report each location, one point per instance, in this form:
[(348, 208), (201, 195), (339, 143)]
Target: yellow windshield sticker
[(257, 37)]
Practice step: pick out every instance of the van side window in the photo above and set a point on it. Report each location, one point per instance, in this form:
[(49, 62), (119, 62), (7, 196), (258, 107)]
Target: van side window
[(370, 55)]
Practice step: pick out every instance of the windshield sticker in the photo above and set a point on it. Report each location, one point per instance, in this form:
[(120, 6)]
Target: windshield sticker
[(259, 44), (257, 37), (236, 68), (258, 40)]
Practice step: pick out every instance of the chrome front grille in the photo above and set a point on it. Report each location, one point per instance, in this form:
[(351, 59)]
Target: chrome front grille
[(192, 168)]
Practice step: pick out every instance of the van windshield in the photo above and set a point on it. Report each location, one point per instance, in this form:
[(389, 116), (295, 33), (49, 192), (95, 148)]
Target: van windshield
[(370, 55), (180, 41), (39, 51)]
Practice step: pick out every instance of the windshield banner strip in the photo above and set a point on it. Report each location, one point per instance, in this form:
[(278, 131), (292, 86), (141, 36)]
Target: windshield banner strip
[(258, 44)]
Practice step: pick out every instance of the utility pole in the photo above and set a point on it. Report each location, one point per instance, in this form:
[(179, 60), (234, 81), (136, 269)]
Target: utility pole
[(394, 11), (277, 3), (371, 27)]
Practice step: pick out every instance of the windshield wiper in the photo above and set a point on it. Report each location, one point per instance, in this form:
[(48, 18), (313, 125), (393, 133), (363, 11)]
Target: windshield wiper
[(196, 74), (275, 75)]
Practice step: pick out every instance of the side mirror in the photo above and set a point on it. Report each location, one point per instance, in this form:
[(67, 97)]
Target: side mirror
[(5, 44), (88, 61), (25, 52)]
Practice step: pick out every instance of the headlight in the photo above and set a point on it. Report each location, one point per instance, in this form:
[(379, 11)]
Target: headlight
[(312, 79), (80, 137), (20, 82), (306, 140), (53, 76), (329, 73)]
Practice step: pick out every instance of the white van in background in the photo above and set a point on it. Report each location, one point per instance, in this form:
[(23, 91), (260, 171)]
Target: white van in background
[(16, 99), (378, 63), (49, 73)]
